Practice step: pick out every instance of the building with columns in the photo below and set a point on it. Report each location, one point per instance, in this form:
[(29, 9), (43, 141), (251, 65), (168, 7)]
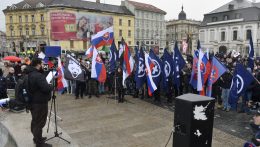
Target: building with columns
[(230, 26), (182, 28), (150, 28)]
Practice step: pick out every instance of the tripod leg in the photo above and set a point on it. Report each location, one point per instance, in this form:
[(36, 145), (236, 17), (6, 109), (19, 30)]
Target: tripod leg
[(64, 139), (49, 117)]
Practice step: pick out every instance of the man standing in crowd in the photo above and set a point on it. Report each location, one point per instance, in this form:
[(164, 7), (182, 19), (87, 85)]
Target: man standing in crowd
[(39, 94)]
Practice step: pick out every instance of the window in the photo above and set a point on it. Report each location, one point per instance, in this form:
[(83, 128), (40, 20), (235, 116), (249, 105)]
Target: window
[(152, 42), (71, 44), (27, 31), (225, 17), (129, 42), (21, 31), (33, 19), (223, 36), (201, 36), (33, 31), (120, 33), (26, 18), (129, 23), (12, 32), (235, 35), (11, 19), (147, 34), (137, 23), (129, 33), (214, 19), (20, 19), (137, 33), (42, 17), (147, 42), (237, 15), (248, 34), (42, 30), (212, 35), (120, 22), (84, 44)]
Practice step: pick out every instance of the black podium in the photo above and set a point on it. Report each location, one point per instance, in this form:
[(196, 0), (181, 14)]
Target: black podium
[(193, 121)]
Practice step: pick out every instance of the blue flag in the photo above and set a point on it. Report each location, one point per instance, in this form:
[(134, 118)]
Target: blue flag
[(157, 70), (251, 54), (167, 68), (140, 70), (112, 58), (241, 80), (217, 70), (179, 64)]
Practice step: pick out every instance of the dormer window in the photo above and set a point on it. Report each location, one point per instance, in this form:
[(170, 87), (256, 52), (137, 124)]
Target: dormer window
[(26, 6), (237, 16), (225, 17), (13, 7), (39, 5), (214, 19)]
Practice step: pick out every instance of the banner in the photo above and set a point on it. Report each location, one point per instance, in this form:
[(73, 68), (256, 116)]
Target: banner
[(77, 26), (73, 69)]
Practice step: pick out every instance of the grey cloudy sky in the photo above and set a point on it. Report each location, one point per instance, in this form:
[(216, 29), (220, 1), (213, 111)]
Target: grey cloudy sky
[(193, 8)]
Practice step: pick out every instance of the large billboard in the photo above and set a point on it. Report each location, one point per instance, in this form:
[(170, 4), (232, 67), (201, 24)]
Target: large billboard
[(77, 26)]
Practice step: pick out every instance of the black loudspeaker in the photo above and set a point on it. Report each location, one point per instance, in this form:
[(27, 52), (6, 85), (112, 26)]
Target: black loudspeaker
[(193, 121)]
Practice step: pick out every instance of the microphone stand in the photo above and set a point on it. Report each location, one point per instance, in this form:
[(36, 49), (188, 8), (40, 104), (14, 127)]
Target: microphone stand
[(53, 105)]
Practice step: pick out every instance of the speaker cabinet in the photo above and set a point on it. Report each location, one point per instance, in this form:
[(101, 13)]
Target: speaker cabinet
[(193, 121)]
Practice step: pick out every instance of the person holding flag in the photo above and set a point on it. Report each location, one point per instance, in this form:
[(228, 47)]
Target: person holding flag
[(140, 71), (241, 80), (179, 64), (156, 74), (98, 70), (150, 82)]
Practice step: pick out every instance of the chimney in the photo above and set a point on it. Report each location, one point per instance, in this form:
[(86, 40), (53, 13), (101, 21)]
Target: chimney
[(97, 1)]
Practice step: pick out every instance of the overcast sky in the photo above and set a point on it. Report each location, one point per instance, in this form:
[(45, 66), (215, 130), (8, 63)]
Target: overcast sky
[(193, 8)]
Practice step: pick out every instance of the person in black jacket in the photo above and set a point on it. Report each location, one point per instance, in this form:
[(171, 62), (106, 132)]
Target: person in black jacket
[(11, 79), (119, 85), (3, 91), (226, 80), (39, 92)]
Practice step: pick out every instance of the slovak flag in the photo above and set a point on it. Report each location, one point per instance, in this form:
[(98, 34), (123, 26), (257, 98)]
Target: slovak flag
[(128, 63), (61, 83), (89, 52), (149, 67), (102, 38), (98, 70)]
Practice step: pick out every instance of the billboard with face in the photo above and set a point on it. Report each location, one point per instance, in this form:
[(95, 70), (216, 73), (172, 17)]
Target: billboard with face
[(77, 26)]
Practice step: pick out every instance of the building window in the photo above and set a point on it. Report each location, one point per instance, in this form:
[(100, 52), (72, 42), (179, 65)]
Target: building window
[(33, 19), (27, 31), (214, 19), (11, 19), (120, 33), (84, 44), (42, 30), (20, 19), (129, 23), (129, 33), (248, 34), (225, 17), (147, 42), (26, 18), (33, 31), (42, 17), (12, 32), (71, 44), (152, 42), (212, 35), (120, 22), (201, 36), (235, 35), (147, 34), (237, 15), (223, 36), (129, 42), (21, 31)]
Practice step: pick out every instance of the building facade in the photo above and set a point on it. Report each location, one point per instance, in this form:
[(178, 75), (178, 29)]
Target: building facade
[(150, 28), (230, 26), (183, 29), (3, 44), (69, 24)]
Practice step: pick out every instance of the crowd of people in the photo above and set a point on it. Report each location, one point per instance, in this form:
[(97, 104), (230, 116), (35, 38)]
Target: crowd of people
[(11, 72)]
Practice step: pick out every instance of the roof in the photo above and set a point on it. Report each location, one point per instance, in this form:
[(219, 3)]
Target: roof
[(146, 7), (80, 4), (237, 4)]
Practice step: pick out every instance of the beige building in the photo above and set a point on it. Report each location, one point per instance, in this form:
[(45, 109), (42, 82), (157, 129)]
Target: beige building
[(182, 28)]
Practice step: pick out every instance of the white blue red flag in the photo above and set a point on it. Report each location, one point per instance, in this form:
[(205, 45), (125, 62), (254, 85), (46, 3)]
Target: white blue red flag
[(89, 52), (217, 70), (102, 38), (149, 67), (98, 70), (128, 63), (62, 82)]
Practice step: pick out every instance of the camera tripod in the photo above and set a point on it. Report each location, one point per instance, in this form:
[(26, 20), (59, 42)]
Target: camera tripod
[(53, 105)]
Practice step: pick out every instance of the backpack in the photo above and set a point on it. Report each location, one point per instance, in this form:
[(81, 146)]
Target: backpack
[(22, 90)]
